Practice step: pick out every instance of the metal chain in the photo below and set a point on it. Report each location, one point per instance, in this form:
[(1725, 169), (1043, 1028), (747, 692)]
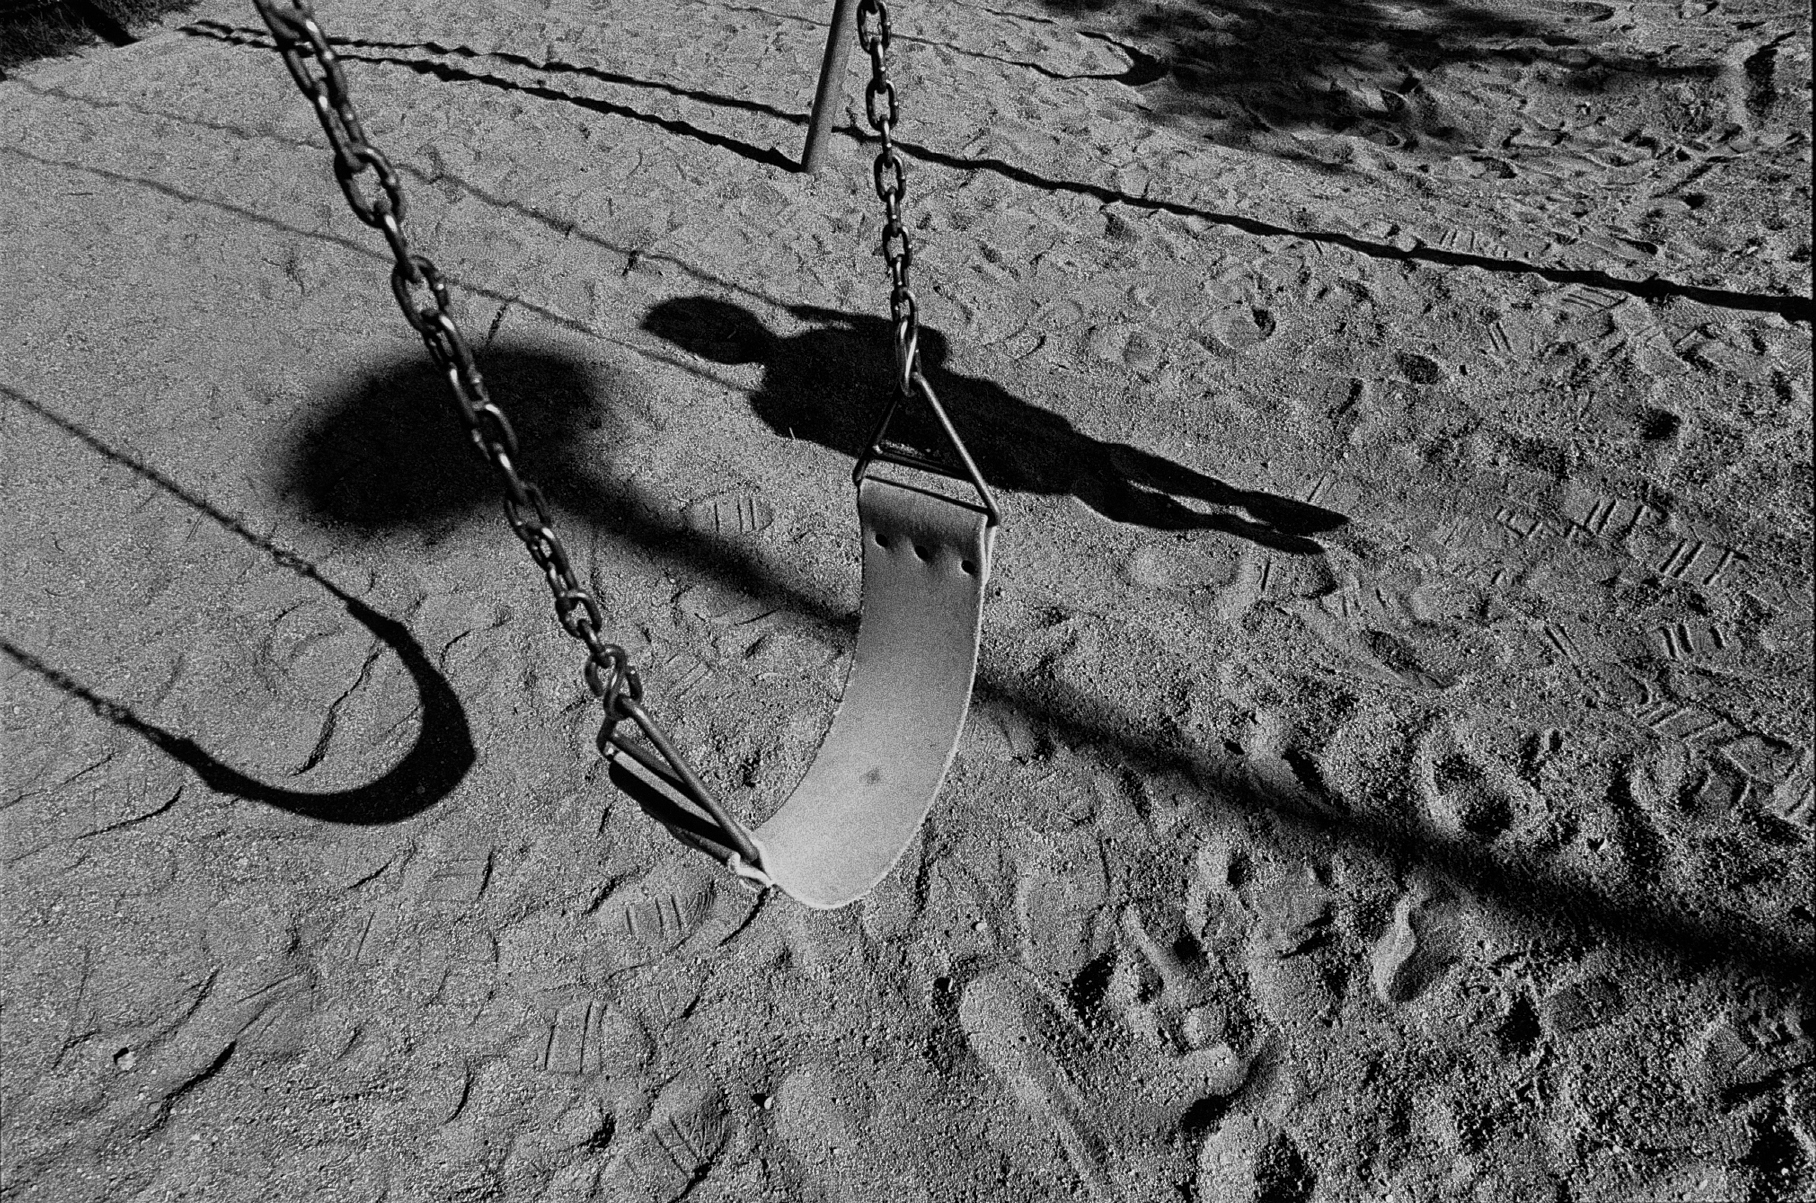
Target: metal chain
[(423, 296), (890, 175)]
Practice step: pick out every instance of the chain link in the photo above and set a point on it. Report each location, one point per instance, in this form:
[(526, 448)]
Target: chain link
[(890, 176), (422, 295), (889, 173)]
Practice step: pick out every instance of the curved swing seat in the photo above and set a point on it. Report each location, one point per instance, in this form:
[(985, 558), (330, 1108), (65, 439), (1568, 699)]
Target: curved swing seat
[(926, 557), (926, 561)]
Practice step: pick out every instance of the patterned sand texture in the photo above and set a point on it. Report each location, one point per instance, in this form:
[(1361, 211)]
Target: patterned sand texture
[(1390, 774)]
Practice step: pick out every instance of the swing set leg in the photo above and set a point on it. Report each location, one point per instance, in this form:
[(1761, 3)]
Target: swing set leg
[(830, 95)]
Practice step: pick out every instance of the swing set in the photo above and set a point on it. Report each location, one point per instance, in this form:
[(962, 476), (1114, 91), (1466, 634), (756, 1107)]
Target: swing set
[(926, 555)]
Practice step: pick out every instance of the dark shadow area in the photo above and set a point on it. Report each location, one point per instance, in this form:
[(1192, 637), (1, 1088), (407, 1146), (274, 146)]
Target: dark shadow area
[(388, 452), (38, 29), (828, 386), (430, 771), (662, 803), (548, 395), (1371, 68)]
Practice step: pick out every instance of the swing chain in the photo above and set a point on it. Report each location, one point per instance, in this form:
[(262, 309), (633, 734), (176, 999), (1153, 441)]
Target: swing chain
[(890, 175), (609, 673), (297, 32)]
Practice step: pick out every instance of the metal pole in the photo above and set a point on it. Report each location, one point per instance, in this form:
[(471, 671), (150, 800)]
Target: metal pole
[(831, 92)]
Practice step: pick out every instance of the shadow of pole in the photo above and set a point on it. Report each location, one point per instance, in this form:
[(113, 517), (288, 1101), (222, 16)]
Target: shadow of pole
[(548, 395), (1791, 307), (429, 772), (451, 74), (1691, 931)]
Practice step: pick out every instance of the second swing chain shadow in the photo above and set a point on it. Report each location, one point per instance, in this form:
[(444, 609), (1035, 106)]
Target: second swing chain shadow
[(433, 768)]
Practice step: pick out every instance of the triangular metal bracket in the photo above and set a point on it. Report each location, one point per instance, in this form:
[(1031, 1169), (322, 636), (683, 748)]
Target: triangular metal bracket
[(916, 382), (695, 816)]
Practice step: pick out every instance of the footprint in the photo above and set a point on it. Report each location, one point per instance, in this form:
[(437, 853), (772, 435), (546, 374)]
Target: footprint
[(1606, 519), (1050, 1066), (1281, 916), (1169, 798), (1676, 721), (1239, 329), (741, 515), (1286, 781), (1220, 579), (1793, 800), (460, 880), (1374, 654), (644, 922), (1143, 353), (1510, 338), (1468, 794), (1248, 1160), (1590, 1002), (1059, 901), (1695, 562), (1715, 794), (1185, 1019), (1583, 303), (1425, 938), (1180, 989), (1692, 642), (1288, 912), (1005, 733), (722, 606), (1646, 832), (674, 1151), (1763, 758), (591, 1036)]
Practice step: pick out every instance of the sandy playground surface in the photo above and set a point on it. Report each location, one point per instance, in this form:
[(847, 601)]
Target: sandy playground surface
[(1390, 777)]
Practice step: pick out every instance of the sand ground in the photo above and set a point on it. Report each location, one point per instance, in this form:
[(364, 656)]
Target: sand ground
[(1454, 845)]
